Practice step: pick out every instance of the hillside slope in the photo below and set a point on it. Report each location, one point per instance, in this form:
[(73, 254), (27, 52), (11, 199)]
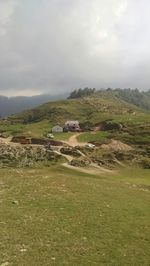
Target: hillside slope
[(98, 107), (140, 99), (133, 96)]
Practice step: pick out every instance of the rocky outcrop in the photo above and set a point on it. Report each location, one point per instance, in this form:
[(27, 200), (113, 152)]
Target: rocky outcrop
[(21, 156), (116, 145), (71, 151), (21, 140), (80, 162), (37, 141)]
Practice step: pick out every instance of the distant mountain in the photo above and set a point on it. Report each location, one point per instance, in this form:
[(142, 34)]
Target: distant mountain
[(18, 104)]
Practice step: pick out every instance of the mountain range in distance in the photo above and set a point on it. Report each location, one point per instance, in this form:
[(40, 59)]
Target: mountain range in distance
[(13, 105)]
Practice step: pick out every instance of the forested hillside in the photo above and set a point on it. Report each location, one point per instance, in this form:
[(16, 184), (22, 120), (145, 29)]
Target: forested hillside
[(140, 99), (133, 96)]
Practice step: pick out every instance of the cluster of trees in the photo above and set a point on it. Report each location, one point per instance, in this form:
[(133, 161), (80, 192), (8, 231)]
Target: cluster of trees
[(136, 97), (81, 93), (132, 96)]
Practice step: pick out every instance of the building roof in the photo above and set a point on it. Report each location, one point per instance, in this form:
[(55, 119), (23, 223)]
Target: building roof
[(72, 122), (57, 126)]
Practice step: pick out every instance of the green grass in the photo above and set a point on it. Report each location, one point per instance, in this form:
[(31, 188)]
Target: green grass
[(63, 217), (11, 129), (96, 137), (63, 136), (37, 129)]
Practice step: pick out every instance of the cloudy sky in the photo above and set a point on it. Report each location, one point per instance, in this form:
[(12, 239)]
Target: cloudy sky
[(59, 45)]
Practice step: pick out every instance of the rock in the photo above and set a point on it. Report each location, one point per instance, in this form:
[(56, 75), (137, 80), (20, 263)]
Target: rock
[(20, 156), (80, 162), (71, 151), (116, 145), (23, 250), (145, 163), (15, 202), (5, 263)]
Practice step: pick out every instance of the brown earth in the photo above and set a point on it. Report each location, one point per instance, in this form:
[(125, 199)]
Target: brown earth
[(73, 141), (116, 145)]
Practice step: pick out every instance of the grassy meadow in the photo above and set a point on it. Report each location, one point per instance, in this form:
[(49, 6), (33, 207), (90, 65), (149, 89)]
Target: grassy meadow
[(57, 216), (95, 136)]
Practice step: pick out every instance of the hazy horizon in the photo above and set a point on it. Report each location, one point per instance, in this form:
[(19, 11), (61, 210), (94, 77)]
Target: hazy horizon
[(52, 47), (64, 93)]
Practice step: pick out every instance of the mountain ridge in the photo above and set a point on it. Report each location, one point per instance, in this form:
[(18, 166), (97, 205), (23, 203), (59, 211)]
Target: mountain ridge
[(16, 104), (99, 106)]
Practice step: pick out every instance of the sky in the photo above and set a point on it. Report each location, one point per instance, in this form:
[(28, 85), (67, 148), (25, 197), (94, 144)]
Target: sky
[(54, 46)]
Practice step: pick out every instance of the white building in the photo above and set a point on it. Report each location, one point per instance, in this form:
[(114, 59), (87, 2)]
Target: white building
[(57, 129)]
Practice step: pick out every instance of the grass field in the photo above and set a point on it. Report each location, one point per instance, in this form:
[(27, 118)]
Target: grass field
[(63, 136), (97, 136), (57, 216), (37, 129)]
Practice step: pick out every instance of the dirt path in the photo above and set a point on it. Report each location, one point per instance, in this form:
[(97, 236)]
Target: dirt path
[(7, 141), (73, 141), (68, 157), (93, 169)]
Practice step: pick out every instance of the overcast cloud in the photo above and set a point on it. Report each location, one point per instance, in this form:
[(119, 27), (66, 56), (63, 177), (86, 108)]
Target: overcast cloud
[(51, 46)]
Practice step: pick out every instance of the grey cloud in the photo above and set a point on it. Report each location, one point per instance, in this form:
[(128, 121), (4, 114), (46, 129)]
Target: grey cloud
[(51, 46)]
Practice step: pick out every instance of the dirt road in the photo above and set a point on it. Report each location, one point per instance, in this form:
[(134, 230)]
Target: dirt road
[(7, 141), (73, 141), (92, 169)]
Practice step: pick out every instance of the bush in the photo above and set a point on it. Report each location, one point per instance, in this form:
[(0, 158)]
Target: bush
[(145, 163)]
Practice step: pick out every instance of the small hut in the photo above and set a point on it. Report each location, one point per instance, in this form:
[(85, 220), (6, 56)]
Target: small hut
[(57, 129)]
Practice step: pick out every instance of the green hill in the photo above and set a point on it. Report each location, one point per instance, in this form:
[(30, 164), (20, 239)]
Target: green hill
[(98, 107), (140, 99), (134, 96)]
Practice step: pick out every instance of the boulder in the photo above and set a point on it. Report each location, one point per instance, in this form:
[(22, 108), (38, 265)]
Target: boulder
[(80, 162), (70, 151)]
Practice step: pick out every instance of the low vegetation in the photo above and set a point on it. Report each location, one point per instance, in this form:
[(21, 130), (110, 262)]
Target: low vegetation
[(96, 137), (57, 216)]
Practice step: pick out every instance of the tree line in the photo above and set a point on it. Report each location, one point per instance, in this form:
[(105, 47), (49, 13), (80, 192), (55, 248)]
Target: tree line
[(132, 96)]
